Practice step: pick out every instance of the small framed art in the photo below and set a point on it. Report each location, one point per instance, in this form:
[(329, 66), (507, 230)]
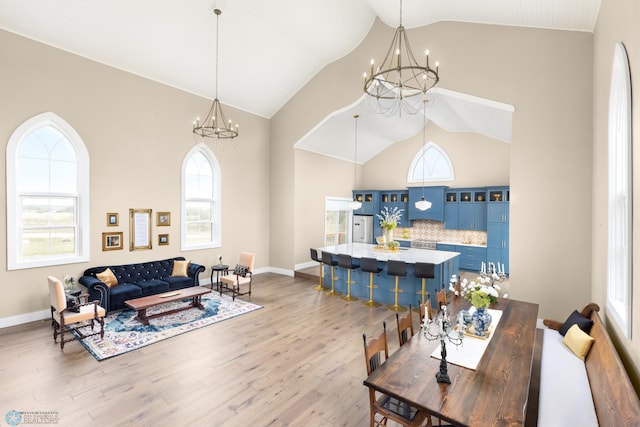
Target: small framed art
[(163, 219), (112, 219), (112, 241), (163, 239)]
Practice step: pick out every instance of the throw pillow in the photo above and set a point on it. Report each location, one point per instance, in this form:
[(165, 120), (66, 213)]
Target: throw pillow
[(578, 341), (241, 270), (108, 278), (576, 318), (180, 268)]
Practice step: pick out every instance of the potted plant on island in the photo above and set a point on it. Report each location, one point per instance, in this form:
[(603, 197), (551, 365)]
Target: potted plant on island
[(388, 221)]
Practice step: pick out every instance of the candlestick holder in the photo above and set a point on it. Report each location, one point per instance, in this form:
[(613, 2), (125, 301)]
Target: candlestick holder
[(441, 328)]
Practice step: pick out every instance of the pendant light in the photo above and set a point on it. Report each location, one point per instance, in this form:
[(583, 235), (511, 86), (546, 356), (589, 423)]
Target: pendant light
[(355, 204), (423, 204)]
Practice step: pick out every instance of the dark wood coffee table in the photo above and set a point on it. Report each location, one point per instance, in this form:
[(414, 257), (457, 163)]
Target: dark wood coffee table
[(142, 304)]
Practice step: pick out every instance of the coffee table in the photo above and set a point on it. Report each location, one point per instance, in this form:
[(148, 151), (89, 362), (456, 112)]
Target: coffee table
[(142, 304)]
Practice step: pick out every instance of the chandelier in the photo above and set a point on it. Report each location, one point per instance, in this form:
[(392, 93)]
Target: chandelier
[(215, 124), (400, 82), (355, 204)]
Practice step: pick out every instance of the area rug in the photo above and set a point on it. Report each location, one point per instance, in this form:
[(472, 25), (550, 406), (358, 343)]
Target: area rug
[(123, 333)]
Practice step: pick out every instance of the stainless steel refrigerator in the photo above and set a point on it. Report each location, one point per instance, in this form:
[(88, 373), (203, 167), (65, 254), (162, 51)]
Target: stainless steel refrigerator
[(363, 229)]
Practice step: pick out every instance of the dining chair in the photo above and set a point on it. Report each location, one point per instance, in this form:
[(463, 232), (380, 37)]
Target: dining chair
[(426, 308), (384, 407), (83, 316), (405, 327), (441, 299)]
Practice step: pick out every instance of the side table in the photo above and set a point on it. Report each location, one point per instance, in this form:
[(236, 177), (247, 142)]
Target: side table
[(219, 269)]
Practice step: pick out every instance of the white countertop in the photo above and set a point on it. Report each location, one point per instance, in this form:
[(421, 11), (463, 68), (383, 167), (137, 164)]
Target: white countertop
[(410, 255)]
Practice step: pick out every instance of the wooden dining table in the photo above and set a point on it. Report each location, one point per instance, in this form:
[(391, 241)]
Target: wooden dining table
[(495, 394)]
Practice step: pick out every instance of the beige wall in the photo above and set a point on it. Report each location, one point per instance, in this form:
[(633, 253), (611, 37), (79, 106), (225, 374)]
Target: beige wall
[(546, 76), (617, 22), (137, 133)]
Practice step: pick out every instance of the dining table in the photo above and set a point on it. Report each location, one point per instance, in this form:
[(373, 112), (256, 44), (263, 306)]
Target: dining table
[(494, 394)]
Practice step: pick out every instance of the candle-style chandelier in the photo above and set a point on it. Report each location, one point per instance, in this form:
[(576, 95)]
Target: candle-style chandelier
[(400, 82), (215, 124), (444, 330)]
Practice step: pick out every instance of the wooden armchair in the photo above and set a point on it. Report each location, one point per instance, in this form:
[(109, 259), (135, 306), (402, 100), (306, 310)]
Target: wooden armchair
[(382, 406), (239, 276), (83, 317)]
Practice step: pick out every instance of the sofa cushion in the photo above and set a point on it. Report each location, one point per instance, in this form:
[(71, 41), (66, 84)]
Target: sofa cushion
[(154, 286), (578, 341), (108, 278), (178, 282), (125, 291), (565, 394), (180, 268), (576, 318)]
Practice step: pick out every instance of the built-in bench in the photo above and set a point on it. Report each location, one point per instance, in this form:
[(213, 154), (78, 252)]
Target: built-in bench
[(567, 391)]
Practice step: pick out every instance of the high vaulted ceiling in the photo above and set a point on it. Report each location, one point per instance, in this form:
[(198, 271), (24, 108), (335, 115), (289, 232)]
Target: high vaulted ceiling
[(268, 50)]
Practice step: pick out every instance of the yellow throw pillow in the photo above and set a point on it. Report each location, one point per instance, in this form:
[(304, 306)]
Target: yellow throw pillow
[(108, 278), (578, 341), (180, 268)]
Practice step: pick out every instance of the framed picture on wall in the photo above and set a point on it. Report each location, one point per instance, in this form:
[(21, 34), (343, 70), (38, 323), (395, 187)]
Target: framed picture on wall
[(163, 219), (112, 241), (112, 219), (139, 229), (163, 239)]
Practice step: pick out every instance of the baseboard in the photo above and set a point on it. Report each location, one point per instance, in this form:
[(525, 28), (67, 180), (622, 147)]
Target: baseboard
[(307, 264), (6, 322)]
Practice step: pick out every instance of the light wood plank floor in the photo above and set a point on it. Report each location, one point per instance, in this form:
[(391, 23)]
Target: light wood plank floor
[(296, 362)]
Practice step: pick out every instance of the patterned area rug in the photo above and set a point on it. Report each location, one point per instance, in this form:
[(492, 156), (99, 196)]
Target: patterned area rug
[(123, 333)]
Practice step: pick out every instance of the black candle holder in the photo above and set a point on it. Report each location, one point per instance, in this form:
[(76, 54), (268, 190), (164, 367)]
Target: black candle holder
[(442, 329)]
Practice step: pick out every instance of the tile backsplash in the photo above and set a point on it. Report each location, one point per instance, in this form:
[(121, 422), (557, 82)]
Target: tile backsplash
[(434, 230)]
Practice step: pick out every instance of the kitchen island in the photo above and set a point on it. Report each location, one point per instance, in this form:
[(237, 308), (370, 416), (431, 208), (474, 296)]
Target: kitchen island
[(445, 262)]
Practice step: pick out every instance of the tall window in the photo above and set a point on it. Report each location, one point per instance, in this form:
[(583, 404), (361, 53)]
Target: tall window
[(201, 213), (619, 276), (337, 221), (47, 194), (431, 162)]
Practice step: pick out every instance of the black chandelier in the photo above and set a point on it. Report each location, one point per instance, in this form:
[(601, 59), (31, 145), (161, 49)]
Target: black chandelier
[(400, 82), (215, 124)]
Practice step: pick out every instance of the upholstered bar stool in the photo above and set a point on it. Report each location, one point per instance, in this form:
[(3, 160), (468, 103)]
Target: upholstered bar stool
[(314, 256), (370, 265), (327, 259), (397, 269), (424, 270), (347, 262)]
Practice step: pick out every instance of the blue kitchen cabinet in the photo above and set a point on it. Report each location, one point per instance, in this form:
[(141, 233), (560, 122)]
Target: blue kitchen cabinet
[(451, 209), (498, 226), (435, 195), (370, 200), (471, 257), (465, 209), (446, 247)]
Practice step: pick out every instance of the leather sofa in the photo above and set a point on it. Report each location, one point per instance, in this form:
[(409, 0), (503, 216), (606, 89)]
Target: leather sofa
[(138, 280)]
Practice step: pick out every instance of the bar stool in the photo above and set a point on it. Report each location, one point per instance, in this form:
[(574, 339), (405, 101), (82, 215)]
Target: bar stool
[(398, 269), (370, 265), (346, 261), (327, 259), (424, 270), (314, 256)]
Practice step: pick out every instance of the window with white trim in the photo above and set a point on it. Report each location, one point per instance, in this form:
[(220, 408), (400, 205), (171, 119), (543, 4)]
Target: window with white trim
[(47, 194), (619, 274), (201, 210), (432, 163)]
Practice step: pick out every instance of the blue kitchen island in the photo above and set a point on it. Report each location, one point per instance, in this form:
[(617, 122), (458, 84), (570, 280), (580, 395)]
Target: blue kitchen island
[(445, 262)]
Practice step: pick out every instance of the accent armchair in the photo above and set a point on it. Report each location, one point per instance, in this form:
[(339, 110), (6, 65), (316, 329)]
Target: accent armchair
[(241, 275)]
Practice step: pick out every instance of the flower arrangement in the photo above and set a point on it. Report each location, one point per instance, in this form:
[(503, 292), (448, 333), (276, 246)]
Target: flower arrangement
[(389, 219), (479, 292), (68, 281)]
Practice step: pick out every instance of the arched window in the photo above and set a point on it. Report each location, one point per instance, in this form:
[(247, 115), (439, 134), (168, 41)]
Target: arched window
[(620, 193), (432, 163), (47, 194), (201, 210)]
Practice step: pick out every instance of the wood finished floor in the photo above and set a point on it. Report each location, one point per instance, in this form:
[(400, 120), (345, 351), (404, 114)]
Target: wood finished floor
[(296, 362)]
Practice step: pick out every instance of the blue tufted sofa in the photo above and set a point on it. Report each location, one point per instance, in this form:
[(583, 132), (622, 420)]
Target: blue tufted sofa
[(138, 280)]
